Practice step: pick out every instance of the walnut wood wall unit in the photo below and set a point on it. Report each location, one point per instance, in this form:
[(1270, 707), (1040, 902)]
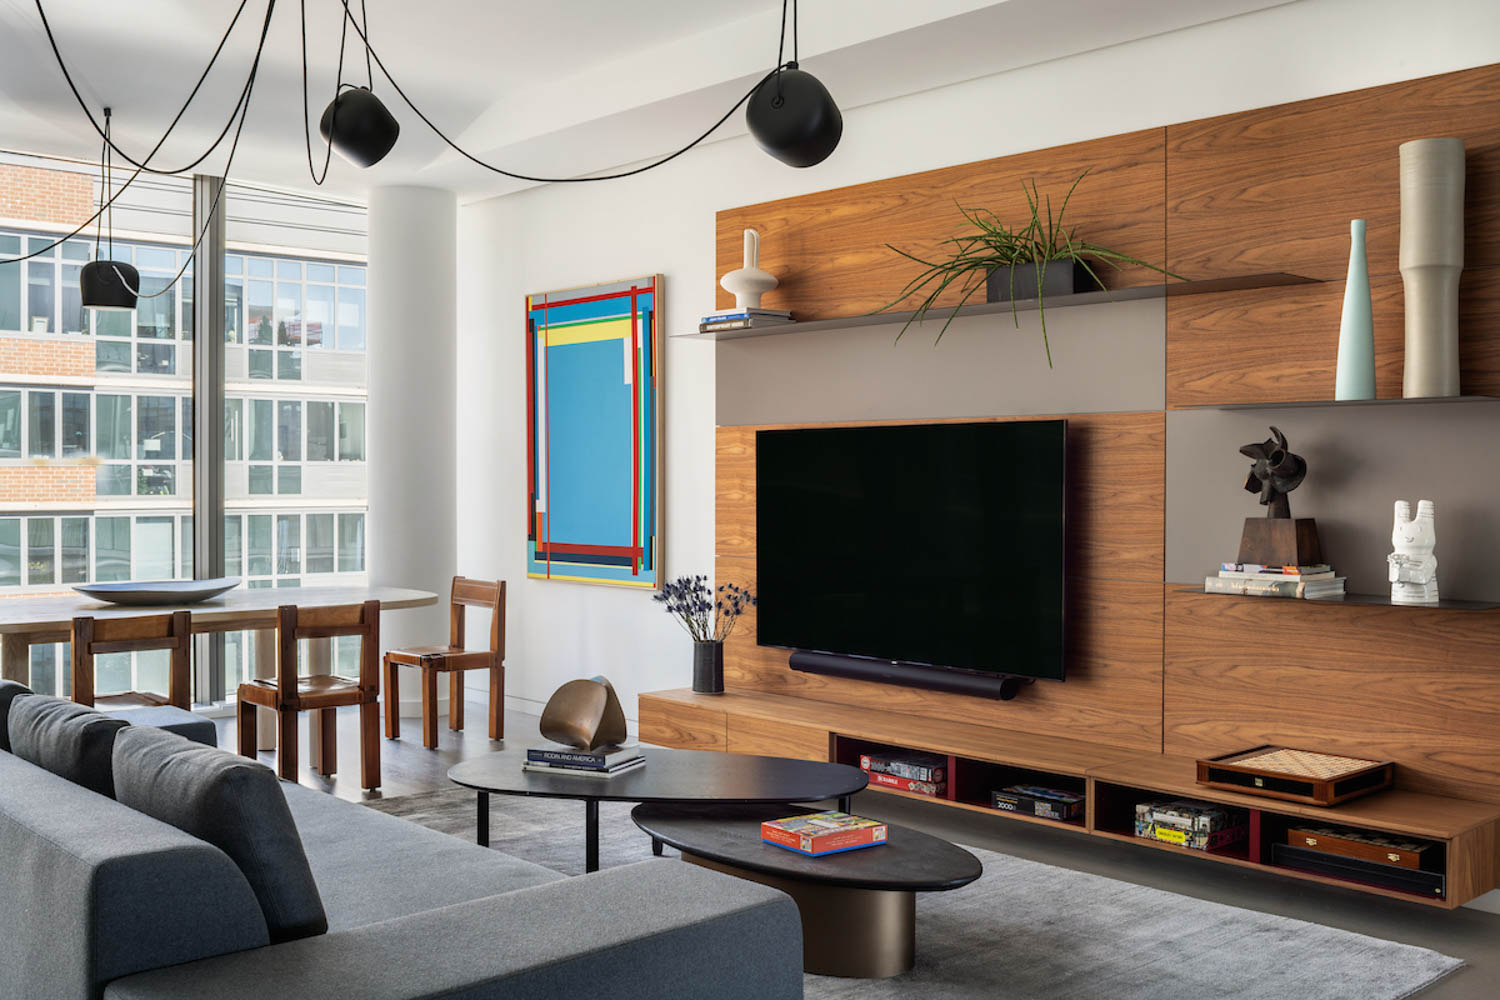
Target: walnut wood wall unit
[(1115, 523), (829, 251), (1280, 184), (1420, 687)]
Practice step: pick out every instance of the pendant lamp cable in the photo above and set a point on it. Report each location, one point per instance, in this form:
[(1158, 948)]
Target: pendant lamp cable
[(109, 162), (108, 144), (338, 86), (213, 209), (370, 51), (364, 15), (145, 164)]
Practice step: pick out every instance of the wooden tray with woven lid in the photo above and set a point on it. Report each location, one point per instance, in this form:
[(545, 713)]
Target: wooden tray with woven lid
[(1310, 776)]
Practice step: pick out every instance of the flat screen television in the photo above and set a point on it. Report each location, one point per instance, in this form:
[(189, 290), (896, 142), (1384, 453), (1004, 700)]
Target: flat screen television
[(938, 546)]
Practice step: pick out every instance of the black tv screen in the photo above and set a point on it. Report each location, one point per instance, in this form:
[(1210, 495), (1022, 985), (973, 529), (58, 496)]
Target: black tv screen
[(933, 544)]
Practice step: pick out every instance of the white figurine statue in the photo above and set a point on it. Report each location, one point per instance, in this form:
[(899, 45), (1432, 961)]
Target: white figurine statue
[(749, 282), (1413, 567)]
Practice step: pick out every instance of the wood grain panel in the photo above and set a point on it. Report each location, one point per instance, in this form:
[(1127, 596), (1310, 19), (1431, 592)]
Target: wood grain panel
[(1281, 345), (671, 723), (1471, 864), (829, 250), (1059, 754), (1274, 189), (1112, 694), (1116, 492), (1420, 687), (774, 738)]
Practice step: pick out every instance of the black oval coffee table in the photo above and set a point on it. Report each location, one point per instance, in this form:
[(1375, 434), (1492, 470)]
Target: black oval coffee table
[(668, 776), (859, 911)]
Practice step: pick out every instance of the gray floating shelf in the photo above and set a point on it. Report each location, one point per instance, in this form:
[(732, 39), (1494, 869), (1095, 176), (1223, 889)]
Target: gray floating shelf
[(1364, 600), (1340, 403), (939, 316)]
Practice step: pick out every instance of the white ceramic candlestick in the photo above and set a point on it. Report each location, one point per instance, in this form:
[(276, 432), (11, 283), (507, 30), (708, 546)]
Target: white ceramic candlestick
[(749, 282)]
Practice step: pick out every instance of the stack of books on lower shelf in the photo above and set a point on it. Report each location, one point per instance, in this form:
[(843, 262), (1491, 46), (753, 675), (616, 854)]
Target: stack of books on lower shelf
[(743, 319), (907, 771), (1254, 580), (555, 758), (817, 834)]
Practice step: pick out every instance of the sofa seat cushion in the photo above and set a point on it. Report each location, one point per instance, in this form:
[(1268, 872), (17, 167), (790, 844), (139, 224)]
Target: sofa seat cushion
[(70, 740), (9, 691), (232, 803), (372, 867)]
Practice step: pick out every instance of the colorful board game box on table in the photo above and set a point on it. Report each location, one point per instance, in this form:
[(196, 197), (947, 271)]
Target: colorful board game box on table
[(817, 834)]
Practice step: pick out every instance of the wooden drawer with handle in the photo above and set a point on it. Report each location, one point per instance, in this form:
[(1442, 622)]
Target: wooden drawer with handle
[(1360, 844)]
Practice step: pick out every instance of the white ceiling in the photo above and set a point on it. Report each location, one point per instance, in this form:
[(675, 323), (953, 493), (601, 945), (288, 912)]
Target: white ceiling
[(548, 87)]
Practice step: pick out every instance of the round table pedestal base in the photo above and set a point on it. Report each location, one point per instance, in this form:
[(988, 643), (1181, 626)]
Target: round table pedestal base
[(858, 933)]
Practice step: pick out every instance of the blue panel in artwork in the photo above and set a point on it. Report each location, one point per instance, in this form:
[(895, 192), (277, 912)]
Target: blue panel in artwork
[(588, 420)]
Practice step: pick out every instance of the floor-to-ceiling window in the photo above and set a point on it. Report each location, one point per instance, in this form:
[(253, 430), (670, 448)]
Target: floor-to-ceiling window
[(96, 409)]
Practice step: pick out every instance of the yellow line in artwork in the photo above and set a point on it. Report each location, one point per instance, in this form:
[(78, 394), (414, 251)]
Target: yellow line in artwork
[(585, 333), (591, 579)]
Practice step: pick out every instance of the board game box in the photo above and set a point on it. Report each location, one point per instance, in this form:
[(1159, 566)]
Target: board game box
[(816, 834), (1036, 800), (1198, 826)]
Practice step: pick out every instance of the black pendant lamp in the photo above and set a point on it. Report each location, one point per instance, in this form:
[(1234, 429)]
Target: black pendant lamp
[(107, 285), (360, 128), (793, 117)]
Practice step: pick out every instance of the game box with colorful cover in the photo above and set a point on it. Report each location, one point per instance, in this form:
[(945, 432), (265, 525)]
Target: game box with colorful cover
[(1036, 800), (817, 834), (1198, 826)]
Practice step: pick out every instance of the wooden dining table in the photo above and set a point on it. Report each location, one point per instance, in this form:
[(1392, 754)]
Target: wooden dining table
[(27, 620)]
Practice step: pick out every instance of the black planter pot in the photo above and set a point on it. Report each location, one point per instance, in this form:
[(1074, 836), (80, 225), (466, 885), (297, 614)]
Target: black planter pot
[(1062, 277), (708, 667)]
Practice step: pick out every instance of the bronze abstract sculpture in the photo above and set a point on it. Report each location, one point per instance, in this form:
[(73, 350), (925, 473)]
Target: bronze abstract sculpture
[(585, 714), (1276, 473)]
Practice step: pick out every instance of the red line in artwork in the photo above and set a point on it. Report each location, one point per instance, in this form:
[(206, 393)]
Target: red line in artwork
[(635, 434), (531, 483), (547, 445), (632, 291), (594, 550)]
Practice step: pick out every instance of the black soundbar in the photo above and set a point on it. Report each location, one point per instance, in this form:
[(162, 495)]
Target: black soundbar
[(1001, 686)]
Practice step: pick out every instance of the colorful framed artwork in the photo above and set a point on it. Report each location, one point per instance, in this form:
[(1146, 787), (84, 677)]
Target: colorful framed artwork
[(593, 425)]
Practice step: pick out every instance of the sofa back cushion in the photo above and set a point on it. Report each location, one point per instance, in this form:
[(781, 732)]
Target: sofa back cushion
[(9, 691), (70, 740), (233, 803)]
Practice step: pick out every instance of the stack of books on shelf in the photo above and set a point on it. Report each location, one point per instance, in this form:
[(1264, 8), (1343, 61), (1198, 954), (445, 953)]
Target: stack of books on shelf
[(816, 834), (907, 771), (744, 319), (1254, 580), (555, 758)]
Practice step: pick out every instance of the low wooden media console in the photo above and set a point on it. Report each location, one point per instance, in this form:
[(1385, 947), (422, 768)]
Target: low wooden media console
[(1113, 779)]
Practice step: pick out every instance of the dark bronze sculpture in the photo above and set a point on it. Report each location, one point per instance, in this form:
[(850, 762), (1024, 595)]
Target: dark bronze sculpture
[(1276, 473), (585, 714)]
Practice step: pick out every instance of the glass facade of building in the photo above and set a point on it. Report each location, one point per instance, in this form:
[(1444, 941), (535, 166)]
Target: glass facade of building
[(96, 430)]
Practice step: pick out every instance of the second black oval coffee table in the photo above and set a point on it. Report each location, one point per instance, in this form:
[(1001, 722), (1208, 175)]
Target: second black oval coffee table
[(858, 908), (668, 776)]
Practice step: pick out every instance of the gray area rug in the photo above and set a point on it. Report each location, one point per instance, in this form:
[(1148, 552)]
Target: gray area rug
[(1024, 930)]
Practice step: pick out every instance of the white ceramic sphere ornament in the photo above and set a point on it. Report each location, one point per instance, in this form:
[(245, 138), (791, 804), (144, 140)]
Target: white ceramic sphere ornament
[(748, 283)]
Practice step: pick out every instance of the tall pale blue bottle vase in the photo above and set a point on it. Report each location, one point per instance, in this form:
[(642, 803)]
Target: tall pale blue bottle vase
[(1356, 369)]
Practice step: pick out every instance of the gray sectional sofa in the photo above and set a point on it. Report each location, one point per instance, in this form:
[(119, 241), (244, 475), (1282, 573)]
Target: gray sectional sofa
[(136, 865)]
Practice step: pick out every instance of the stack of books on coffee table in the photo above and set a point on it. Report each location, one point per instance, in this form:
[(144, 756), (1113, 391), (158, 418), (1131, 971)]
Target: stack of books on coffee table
[(555, 758)]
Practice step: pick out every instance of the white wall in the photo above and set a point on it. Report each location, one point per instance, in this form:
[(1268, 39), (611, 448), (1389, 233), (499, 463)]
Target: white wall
[(663, 221)]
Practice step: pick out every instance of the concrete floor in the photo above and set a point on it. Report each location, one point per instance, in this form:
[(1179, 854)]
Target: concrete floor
[(1469, 934)]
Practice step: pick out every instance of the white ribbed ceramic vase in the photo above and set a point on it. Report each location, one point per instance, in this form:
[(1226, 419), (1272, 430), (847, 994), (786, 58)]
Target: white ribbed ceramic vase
[(1432, 258)]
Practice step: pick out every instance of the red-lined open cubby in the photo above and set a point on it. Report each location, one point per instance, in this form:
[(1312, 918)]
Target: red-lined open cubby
[(970, 781)]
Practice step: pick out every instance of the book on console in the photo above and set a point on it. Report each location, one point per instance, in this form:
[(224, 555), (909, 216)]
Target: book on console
[(603, 757), (746, 323), (594, 772)]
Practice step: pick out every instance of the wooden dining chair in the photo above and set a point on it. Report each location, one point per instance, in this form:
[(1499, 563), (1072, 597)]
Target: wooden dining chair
[(93, 636), (287, 694), (453, 659)]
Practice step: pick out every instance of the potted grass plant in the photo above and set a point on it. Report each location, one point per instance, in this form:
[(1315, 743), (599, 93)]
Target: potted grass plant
[(708, 615), (1044, 257)]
